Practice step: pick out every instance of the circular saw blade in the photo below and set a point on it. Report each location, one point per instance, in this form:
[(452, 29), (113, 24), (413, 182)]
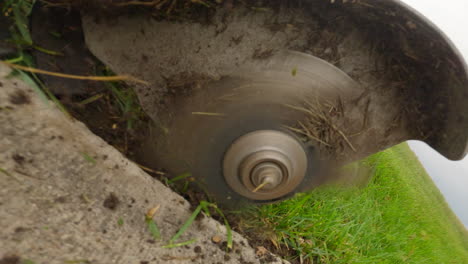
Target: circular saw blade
[(258, 96)]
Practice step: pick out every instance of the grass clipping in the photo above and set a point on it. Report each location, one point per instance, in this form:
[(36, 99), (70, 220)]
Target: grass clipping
[(321, 126), (76, 77)]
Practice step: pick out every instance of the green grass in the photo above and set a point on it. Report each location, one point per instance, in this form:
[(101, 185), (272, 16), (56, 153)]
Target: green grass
[(400, 217), (19, 12), (205, 207), (124, 98)]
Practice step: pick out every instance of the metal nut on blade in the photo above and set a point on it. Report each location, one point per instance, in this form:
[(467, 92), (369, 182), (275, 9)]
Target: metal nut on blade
[(264, 165), (268, 174), (248, 168)]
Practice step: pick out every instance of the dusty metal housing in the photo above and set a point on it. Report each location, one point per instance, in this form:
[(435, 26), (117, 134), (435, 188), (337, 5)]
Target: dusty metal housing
[(441, 82)]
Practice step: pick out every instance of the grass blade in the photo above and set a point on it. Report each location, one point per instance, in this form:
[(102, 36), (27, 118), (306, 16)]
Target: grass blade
[(153, 228), (91, 99), (47, 51), (88, 158), (22, 23), (180, 177), (180, 244), (226, 223), (31, 83), (207, 114), (77, 77), (187, 223)]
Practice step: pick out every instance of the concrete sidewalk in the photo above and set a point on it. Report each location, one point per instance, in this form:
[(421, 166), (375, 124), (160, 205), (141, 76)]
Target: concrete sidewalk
[(66, 196)]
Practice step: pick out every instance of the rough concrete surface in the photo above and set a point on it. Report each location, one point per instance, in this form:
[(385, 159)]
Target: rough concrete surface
[(66, 196)]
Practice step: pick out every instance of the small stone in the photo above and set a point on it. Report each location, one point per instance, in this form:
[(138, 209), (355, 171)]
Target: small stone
[(261, 251), (216, 239), (151, 212)]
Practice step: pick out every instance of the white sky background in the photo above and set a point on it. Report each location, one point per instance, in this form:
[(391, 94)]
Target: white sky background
[(451, 177)]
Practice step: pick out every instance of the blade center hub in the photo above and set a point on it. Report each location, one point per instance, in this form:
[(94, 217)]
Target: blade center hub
[(268, 174), (264, 164)]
